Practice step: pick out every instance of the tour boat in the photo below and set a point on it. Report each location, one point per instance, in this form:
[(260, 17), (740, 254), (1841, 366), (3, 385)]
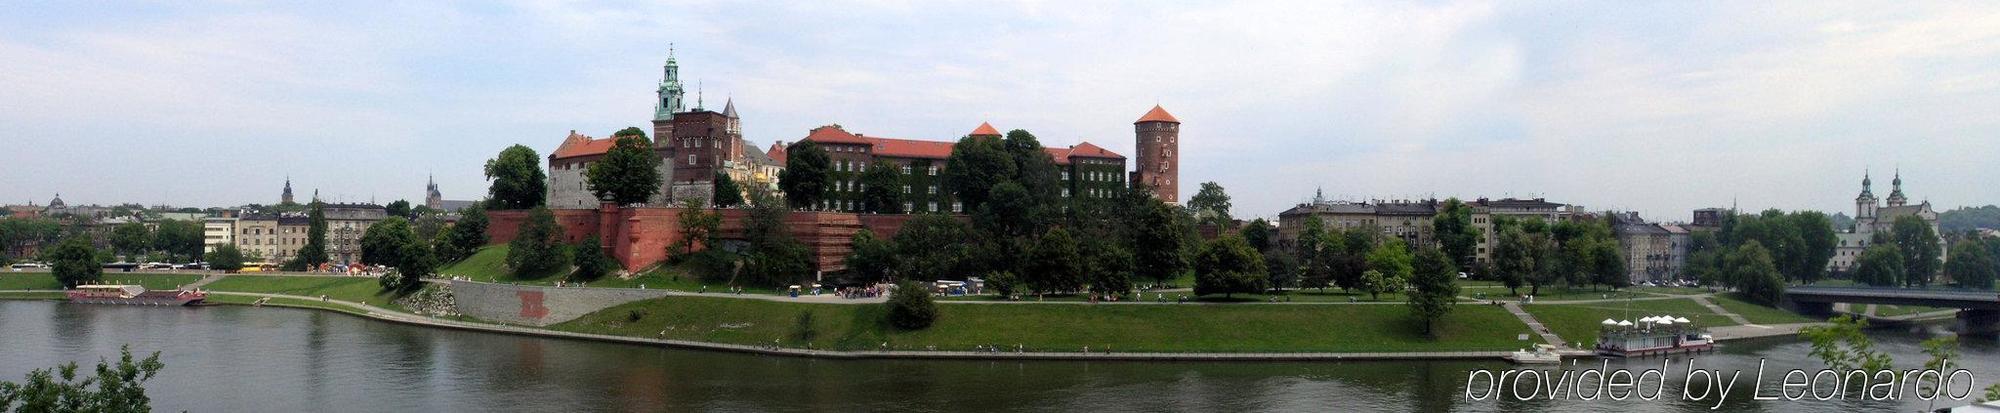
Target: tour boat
[(1652, 336), (133, 295), (1542, 354)]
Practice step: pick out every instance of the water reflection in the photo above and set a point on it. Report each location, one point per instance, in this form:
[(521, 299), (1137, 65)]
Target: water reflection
[(270, 359)]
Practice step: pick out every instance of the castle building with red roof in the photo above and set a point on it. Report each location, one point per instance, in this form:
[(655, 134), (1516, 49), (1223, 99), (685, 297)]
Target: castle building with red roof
[(694, 147), (1087, 170)]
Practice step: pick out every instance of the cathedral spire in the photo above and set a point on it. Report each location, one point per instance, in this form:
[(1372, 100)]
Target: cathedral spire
[(671, 94), (1896, 197)]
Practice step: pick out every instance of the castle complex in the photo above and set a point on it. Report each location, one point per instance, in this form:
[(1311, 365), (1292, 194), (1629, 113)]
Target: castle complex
[(1871, 217)]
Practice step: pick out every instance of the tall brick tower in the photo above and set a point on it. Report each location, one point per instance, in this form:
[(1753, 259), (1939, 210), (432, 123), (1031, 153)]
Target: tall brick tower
[(1158, 167)]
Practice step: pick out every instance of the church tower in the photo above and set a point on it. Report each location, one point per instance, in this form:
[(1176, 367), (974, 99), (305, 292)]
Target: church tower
[(433, 198), (286, 198), (1158, 166), (671, 99), (1896, 198), (1864, 205)]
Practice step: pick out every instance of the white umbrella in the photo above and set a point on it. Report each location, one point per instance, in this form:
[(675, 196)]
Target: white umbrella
[(1647, 319), (1626, 323), (1610, 322), (1666, 322), (1682, 320)]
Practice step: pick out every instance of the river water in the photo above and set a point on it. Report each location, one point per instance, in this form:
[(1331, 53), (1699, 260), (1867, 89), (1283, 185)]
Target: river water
[(242, 359)]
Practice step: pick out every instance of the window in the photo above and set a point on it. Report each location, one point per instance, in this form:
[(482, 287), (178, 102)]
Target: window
[(906, 169), (906, 191), (690, 159), (933, 192), (933, 171), (1065, 192), (957, 207), (1065, 175), (933, 206), (907, 207)]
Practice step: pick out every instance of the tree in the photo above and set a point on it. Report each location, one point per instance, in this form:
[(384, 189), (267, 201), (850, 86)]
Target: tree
[(1435, 288), (1210, 205), (1513, 258), (418, 262), (628, 174), (632, 131), (537, 248), (1455, 234), (1258, 233), (1970, 266), (697, 227), (313, 254), (1227, 266), (1880, 265), (117, 388), (1034, 169), (75, 262), (383, 243), (880, 189), (1919, 245), (1608, 260), (932, 247), (518, 181), (1157, 242), (1109, 267), (1054, 264), (727, 194), (872, 258), (1345, 253), (805, 179), (773, 258), (1843, 347), (1818, 242), (466, 236), (1392, 264), (399, 208), (591, 260), (225, 257), (976, 165), (1010, 211), (178, 239), (131, 239), (911, 306), (1281, 269), (1756, 276)]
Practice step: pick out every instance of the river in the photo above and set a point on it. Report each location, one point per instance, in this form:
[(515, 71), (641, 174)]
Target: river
[(240, 359)]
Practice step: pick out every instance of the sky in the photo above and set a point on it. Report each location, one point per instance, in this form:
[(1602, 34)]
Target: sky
[(1659, 108)]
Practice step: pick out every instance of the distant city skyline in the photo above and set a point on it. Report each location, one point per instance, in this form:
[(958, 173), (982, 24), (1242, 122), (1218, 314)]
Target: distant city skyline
[(1656, 108)]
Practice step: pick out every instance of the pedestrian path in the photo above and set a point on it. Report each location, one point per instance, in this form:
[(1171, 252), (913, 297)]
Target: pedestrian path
[(1705, 302), (204, 281), (1534, 325)]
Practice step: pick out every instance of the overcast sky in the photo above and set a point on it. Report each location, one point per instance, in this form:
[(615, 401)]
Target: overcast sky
[(1659, 108)]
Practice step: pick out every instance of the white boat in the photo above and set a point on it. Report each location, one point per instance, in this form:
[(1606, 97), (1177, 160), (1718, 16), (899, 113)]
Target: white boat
[(1542, 354)]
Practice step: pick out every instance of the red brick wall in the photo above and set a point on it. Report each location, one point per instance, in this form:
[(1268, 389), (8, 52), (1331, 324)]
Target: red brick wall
[(577, 224)]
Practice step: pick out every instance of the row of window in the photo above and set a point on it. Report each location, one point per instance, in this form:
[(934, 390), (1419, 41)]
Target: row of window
[(855, 206)]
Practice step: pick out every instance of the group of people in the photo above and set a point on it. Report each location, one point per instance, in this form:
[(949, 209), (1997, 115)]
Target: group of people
[(870, 291)]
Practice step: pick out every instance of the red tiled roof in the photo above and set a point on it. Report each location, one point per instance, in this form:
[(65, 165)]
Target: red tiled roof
[(1158, 114), (777, 153), (985, 129), (1061, 155), (909, 148), (579, 145), (833, 134), (1093, 151)]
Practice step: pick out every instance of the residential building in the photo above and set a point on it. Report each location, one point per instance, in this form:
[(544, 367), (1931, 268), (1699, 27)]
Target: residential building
[(217, 231), (1410, 220), (1653, 252)]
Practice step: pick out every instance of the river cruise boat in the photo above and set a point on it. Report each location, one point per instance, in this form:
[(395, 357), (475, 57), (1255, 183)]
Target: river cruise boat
[(133, 295), (1652, 336), (1541, 354)]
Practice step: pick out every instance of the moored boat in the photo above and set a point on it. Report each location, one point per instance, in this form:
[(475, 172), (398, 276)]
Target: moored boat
[(1652, 336), (133, 295)]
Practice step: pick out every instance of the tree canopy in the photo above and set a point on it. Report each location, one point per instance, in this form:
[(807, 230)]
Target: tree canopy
[(1920, 248), (1434, 288), (727, 193), (975, 166), (880, 189), (806, 179), (518, 180), (628, 174), (74, 262), (1227, 266), (1456, 236), (1210, 205), (538, 247)]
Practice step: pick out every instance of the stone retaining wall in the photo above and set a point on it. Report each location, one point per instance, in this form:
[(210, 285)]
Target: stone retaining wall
[(539, 305)]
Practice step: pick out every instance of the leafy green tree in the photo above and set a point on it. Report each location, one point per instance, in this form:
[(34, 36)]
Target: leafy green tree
[(118, 388), (1608, 262), (880, 189), (427, 224), (1920, 249), (383, 243), (1034, 169), (1434, 288), (1842, 346), (697, 227), (314, 252), (1817, 246), (418, 262), (1705, 254), (628, 174), (518, 180), (806, 177), (727, 193), (632, 131), (773, 258), (911, 306), (1880, 265), (1756, 276), (1010, 211), (466, 236), (131, 239), (225, 257), (1345, 253), (178, 239), (399, 208), (1392, 263), (1109, 269), (872, 258), (74, 262), (1514, 258), (932, 247), (1281, 269), (1054, 264), (976, 165), (1210, 206), (538, 248), (1227, 266), (1258, 233), (1970, 266), (591, 261), (1455, 233), (1157, 243)]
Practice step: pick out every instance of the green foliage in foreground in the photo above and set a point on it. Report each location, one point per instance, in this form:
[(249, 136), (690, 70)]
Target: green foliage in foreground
[(111, 388), (1843, 347), (1066, 327)]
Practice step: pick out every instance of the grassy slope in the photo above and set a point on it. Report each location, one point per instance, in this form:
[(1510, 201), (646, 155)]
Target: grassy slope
[(490, 264), (357, 289), (46, 281), (1757, 313), (1190, 328), (1578, 323)]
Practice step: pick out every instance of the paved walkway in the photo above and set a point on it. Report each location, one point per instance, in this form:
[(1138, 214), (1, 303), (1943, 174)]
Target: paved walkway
[(1705, 302), (204, 281), (1534, 325)]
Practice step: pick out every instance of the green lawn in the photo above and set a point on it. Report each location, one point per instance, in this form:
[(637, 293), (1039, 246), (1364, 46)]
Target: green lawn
[(1190, 328), (357, 289), (46, 281), (490, 264), (1578, 323), (1757, 313), (1902, 310)]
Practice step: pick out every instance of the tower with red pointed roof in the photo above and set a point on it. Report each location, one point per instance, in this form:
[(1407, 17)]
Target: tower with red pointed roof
[(1158, 166)]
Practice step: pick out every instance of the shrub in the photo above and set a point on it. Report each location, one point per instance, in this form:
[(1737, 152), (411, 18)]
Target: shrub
[(911, 307)]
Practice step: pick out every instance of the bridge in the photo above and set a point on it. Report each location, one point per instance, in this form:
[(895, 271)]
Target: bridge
[(1979, 309)]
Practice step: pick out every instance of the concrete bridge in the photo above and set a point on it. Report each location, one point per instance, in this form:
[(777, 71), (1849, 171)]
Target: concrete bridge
[(1979, 311)]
